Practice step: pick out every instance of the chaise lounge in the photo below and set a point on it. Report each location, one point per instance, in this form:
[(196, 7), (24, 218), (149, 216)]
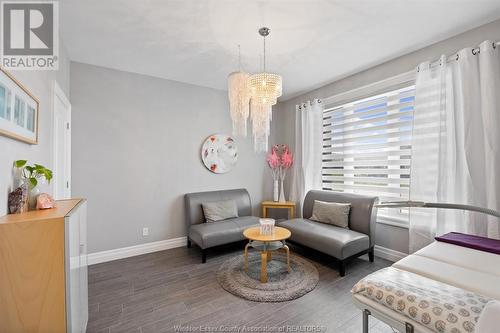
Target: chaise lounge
[(341, 243)]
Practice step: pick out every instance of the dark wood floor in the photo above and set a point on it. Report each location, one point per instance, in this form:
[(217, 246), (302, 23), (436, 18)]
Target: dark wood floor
[(157, 291)]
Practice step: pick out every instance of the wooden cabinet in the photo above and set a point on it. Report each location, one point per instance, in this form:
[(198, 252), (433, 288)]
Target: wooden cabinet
[(43, 270)]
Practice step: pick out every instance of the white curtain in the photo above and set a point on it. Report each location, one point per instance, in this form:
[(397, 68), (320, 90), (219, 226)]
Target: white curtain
[(308, 150), (455, 144)]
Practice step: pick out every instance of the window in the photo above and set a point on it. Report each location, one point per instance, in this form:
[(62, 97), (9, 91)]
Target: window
[(367, 148)]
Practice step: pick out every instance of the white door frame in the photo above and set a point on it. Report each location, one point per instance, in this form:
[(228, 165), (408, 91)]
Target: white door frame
[(59, 94)]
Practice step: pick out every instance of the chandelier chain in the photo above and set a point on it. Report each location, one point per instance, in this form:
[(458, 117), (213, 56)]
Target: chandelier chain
[(239, 58), (264, 37)]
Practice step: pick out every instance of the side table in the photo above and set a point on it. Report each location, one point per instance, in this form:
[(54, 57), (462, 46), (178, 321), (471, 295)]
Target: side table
[(280, 205)]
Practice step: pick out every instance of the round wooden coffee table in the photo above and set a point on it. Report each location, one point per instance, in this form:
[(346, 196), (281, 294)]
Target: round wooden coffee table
[(265, 244)]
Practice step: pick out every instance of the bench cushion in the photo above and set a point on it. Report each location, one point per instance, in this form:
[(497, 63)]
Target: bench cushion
[(212, 234), (338, 242), (245, 222)]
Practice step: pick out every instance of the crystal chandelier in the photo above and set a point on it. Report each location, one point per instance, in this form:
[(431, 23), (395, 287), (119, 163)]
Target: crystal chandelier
[(239, 99), (262, 91)]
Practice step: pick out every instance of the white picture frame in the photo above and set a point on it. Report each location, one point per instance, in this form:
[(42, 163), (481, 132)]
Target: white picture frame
[(19, 110)]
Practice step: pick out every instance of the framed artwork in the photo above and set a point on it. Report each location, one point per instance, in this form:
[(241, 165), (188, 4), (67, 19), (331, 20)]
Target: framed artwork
[(219, 153), (19, 110)]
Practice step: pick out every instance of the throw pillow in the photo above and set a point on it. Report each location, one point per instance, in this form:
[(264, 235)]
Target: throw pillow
[(219, 210), (333, 213)]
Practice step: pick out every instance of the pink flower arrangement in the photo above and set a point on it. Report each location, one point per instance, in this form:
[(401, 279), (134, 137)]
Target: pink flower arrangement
[(286, 159), (279, 159), (273, 159)]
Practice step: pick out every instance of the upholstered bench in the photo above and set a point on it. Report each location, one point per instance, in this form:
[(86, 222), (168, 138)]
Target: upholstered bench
[(342, 243), (208, 235)]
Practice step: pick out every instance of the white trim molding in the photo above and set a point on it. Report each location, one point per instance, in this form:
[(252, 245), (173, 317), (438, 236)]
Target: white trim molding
[(389, 254), (370, 89), (136, 250), (58, 93), (131, 251)]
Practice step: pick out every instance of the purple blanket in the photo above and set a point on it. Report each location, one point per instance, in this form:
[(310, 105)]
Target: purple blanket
[(474, 242)]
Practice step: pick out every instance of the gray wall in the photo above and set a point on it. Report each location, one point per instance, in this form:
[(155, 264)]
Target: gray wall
[(40, 84), (387, 236), (136, 151)]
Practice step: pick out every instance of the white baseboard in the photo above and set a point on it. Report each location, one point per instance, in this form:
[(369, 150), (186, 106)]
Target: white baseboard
[(389, 254), (130, 251)]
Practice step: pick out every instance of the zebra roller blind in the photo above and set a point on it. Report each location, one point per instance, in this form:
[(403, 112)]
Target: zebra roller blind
[(367, 148)]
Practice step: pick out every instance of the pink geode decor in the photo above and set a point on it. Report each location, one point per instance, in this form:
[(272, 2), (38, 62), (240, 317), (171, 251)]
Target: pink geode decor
[(280, 159), (45, 201)]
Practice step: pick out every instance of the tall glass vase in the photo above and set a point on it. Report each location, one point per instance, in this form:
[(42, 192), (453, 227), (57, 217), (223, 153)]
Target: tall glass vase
[(282, 191), (33, 194), (17, 177), (282, 174), (275, 189)]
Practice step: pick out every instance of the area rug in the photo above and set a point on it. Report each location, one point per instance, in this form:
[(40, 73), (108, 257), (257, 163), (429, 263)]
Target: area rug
[(281, 286)]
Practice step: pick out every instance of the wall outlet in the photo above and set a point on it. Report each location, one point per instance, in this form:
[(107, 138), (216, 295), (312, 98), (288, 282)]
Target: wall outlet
[(145, 231)]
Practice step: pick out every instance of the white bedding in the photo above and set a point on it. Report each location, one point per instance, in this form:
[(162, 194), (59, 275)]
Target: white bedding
[(435, 305), (489, 320), (465, 278), (476, 260), (464, 268)]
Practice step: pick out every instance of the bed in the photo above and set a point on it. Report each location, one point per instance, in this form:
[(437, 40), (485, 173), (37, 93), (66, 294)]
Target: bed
[(443, 287)]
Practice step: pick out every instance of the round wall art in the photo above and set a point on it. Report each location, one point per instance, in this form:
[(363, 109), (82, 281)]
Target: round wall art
[(219, 153)]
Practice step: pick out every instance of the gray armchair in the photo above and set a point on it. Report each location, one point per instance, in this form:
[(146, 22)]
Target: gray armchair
[(340, 243), (207, 235)]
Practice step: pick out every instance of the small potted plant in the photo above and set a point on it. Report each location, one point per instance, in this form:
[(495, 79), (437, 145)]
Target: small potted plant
[(32, 175)]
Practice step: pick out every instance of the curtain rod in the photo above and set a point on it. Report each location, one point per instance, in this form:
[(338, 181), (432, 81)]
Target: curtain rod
[(310, 102), (455, 56), (333, 99)]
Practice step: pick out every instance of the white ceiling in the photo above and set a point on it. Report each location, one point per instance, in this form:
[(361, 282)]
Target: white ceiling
[(312, 42)]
